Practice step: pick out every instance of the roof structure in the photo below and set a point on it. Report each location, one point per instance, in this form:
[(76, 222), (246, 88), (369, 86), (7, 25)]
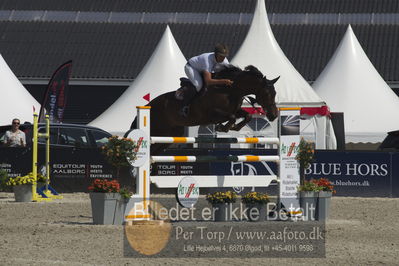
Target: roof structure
[(160, 75), (350, 84), (15, 100), (220, 6), (261, 49), (308, 32)]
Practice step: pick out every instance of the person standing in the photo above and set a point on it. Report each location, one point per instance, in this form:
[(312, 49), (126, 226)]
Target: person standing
[(15, 137)]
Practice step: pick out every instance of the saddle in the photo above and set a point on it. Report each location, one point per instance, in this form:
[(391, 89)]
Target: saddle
[(187, 91)]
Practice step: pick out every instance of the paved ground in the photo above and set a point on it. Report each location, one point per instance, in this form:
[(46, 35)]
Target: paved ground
[(361, 231)]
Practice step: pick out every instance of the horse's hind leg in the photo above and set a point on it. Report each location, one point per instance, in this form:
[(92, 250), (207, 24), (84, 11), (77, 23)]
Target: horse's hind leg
[(247, 117), (221, 115)]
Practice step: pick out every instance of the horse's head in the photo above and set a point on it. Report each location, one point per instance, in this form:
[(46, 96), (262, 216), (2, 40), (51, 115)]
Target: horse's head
[(266, 98), (265, 92)]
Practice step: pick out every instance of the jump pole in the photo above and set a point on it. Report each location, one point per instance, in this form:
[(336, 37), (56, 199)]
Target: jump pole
[(139, 201), (45, 193)]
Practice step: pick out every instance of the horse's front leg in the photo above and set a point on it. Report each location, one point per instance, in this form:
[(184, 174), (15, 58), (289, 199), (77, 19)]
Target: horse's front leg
[(224, 116), (247, 117)]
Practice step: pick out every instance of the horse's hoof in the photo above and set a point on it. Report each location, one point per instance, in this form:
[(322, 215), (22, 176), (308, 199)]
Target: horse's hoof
[(219, 128)]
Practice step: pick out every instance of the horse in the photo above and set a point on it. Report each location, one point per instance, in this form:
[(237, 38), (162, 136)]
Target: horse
[(215, 106)]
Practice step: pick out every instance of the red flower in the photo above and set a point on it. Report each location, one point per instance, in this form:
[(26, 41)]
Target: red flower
[(103, 185)]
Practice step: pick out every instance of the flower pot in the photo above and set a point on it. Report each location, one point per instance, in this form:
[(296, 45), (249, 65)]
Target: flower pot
[(308, 202), (323, 205), (222, 212), (23, 193), (107, 208), (119, 217), (256, 212)]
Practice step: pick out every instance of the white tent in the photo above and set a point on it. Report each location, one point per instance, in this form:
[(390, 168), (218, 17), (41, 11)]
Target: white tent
[(350, 84), (15, 100), (261, 49), (160, 75)]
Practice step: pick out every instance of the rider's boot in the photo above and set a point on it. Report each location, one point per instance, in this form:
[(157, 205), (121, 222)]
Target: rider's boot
[(189, 95)]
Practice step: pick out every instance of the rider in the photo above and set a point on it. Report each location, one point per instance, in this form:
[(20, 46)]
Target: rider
[(199, 68)]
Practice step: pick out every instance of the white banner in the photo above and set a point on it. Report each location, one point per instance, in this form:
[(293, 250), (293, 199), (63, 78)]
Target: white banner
[(289, 166)]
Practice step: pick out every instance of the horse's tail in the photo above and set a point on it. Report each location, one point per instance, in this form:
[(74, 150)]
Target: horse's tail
[(134, 123)]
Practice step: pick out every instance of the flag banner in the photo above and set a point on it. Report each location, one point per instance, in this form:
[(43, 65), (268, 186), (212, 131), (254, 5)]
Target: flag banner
[(55, 98)]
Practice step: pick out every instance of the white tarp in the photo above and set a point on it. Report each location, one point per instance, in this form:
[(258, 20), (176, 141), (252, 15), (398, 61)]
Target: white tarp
[(350, 84), (160, 75), (15, 100)]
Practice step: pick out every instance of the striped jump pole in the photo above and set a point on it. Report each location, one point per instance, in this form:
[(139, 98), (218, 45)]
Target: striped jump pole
[(155, 140), (206, 159)]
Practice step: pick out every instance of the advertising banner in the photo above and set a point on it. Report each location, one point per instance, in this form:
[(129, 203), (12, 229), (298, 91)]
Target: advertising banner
[(72, 169), (245, 168), (395, 174), (289, 166), (364, 174), (55, 97), (357, 174)]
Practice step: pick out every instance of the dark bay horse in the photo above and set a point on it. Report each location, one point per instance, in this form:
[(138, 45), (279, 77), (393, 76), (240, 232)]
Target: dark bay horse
[(216, 106)]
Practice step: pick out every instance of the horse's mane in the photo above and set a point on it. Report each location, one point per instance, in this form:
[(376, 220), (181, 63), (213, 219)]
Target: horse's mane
[(228, 72), (254, 71), (231, 71)]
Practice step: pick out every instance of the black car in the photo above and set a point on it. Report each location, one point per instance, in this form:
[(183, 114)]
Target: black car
[(391, 142), (75, 155), (69, 135)]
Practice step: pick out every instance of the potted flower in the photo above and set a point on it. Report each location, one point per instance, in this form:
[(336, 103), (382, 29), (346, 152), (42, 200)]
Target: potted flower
[(119, 151), (308, 198), (108, 201), (304, 156), (326, 189), (222, 204), (256, 205), (22, 187)]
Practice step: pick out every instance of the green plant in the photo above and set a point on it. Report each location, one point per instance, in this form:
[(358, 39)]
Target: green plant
[(125, 193), (3, 179), (255, 197), (21, 180), (309, 186), (119, 151), (221, 197), (304, 156)]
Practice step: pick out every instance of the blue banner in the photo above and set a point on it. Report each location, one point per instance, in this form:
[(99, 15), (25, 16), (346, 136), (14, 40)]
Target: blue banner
[(395, 174), (365, 174)]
